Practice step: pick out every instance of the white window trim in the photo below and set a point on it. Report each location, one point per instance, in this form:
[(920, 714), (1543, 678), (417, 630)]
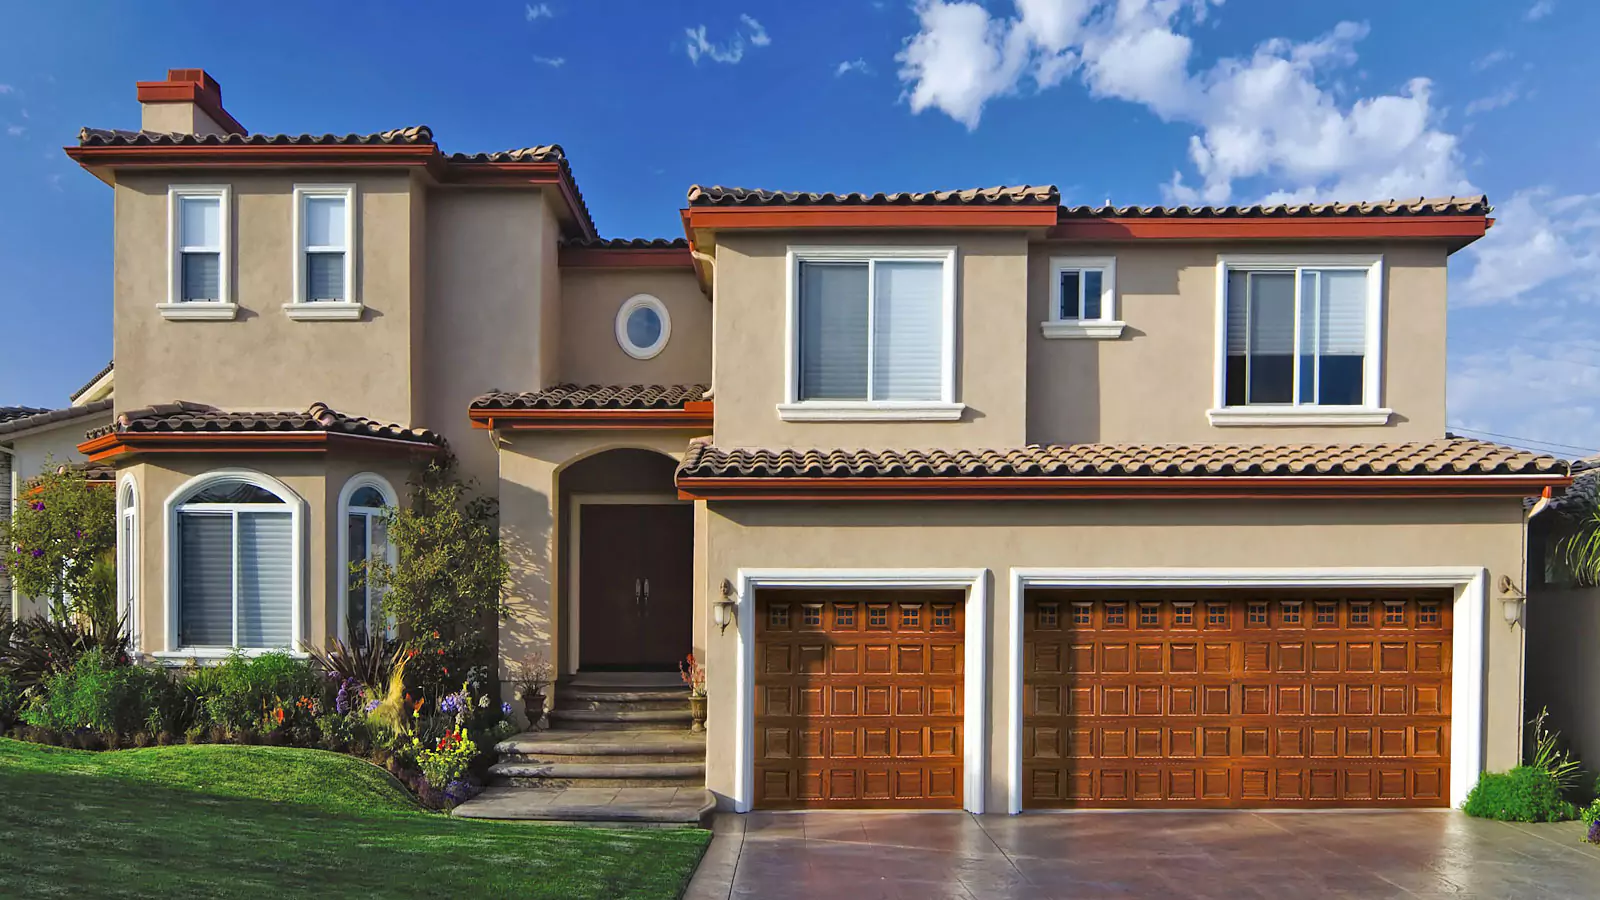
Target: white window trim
[(356, 483), (128, 546), (302, 309), (643, 301), (1107, 326), (176, 309), (297, 528), (793, 409), (975, 714), (1370, 412), (1467, 662)]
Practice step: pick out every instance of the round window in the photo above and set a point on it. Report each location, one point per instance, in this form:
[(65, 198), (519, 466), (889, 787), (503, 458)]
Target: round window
[(643, 326)]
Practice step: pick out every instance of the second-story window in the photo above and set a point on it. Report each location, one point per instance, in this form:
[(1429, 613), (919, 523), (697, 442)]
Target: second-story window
[(1300, 338), (872, 334), (198, 286), (1083, 298), (324, 263)]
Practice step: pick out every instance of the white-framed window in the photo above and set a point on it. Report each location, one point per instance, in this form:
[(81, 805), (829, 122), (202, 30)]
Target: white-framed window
[(128, 558), (234, 565), (871, 334), (200, 263), (1083, 298), (363, 503), (324, 253), (643, 326), (1299, 340)]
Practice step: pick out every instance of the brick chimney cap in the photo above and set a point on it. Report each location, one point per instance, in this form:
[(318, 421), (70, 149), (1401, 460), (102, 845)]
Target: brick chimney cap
[(197, 76)]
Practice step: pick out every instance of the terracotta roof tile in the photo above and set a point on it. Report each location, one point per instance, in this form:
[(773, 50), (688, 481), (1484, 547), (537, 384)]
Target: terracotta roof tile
[(107, 137), (7, 413), (1418, 206), (90, 383), (1444, 457), (626, 243), (595, 396), (1580, 498), (1027, 194), (50, 416), (185, 417), (538, 153)]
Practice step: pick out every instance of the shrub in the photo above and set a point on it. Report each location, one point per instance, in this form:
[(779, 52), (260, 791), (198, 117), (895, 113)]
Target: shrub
[(10, 701), (1524, 794), (60, 531), (33, 649), (1549, 757), (105, 698), (368, 659), (263, 692), (1591, 818)]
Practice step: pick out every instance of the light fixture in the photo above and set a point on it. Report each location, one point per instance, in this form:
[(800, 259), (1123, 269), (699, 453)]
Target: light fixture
[(1511, 600), (725, 610)]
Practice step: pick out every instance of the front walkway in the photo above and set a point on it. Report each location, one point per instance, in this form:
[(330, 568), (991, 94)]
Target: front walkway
[(1226, 855)]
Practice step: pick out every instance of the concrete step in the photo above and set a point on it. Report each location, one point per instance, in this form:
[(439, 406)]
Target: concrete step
[(605, 703), (550, 776), (661, 806), (569, 745), (633, 680), (621, 720), (536, 759), (620, 695)]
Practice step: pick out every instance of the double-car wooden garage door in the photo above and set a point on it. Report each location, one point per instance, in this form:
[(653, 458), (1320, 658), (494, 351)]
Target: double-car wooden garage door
[(1192, 699), (859, 699)]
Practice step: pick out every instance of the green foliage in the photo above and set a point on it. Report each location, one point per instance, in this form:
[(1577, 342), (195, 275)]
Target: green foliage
[(1524, 794), (33, 649), (368, 659), (10, 700), (451, 578), (1580, 550), (96, 694), (1549, 757), (447, 760), (61, 528), (1591, 813), (243, 693)]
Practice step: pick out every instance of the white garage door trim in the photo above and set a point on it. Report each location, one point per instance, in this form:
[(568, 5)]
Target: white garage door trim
[(1467, 657), (976, 641)]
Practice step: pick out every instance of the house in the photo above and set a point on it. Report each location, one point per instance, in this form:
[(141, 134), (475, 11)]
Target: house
[(966, 499), (31, 440)]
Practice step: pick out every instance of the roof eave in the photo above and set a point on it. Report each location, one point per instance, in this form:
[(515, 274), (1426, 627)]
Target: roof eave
[(1456, 231), (695, 415), (118, 446)]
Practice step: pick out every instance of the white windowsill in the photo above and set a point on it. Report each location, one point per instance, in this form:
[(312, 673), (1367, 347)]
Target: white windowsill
[(325, 311), (199, 311), (1095, 330), (1303, 415), (211, 655), (845, 411)]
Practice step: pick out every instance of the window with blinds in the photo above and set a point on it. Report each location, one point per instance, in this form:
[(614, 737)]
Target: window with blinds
[(199, 248), (366, 538), (325, 247), (235, 574), (1296, 336), (872, 330)]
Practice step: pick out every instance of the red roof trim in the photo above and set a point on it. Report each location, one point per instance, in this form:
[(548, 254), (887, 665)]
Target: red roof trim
[(786, 217), (1463, 228), (109, 446), (695, 414)]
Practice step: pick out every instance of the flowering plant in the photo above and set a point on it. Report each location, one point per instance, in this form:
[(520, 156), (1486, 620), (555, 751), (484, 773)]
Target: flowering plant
[(448, 759), (694, 675), (1591, 818)]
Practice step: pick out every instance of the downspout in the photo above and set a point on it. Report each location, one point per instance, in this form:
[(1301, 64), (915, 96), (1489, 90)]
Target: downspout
[(710, 264), (12, 504)]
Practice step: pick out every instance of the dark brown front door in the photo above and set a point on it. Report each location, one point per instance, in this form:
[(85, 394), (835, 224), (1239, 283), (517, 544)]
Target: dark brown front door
[(635, 585)]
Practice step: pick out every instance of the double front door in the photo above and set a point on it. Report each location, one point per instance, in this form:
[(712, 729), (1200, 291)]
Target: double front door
[(635, 585)]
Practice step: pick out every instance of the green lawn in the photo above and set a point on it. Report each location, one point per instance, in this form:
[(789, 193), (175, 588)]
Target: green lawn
[(222, 821)]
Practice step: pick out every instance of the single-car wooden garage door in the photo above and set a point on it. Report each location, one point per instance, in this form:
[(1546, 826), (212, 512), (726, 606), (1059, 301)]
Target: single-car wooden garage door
[(859, 699), (1191, 699)]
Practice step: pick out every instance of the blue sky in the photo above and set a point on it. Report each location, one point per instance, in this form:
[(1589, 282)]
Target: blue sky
[(1136, 101)]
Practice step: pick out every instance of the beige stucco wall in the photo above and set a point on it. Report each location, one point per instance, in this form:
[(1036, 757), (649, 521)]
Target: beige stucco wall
[(1563, 665), (177, 118), (1155, 383), (33, 452), (263, 360), (991, 318), (1135, 534), (590, 299)]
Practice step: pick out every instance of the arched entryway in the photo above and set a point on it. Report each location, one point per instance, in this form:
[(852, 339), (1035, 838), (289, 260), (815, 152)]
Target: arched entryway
[(628, 565)]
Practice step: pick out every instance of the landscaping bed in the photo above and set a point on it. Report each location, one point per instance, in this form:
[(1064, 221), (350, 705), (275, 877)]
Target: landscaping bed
[(231, 821)]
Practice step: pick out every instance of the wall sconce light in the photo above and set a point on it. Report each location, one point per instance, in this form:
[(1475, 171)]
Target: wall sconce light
[(725, 610), (1511, 600)]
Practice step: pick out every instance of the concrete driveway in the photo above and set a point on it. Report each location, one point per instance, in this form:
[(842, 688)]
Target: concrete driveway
[(1229, 855)]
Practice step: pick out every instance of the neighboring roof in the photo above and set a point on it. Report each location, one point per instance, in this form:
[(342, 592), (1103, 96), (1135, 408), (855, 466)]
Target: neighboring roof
[(117, 137), (625, 243), (539, 153), (93, 381), (1418, 206), (1088, 468), (1583, 495), (7, 413), (45, 417), (595, 396), (186, 417), (1027, 194)]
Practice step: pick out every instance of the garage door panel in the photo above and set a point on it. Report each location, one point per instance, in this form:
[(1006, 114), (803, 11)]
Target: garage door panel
[(860, 698), (1164, 700)]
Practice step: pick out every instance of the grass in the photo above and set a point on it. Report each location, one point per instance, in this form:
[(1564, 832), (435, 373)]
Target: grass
[(225, 821)]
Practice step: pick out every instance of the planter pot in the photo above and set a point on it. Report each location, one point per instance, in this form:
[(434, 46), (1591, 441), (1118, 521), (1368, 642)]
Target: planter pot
[(697, 713), (533, 708)]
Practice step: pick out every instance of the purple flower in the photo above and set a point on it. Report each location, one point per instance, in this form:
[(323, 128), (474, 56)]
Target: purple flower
[(37, 506), (349, 690), (1594, 832), (372, 705), (38, 553), (505, 710), (77, 532), (451, 703)]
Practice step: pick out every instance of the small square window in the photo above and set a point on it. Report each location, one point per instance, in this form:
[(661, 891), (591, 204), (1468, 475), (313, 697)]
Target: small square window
[(1217, 615), (878, 615), (811, 614), (1327, 614), (844, 615), (1149, 615), (910, 615), (1257, 614), (778, 615), (1116, 615), (1360, 613), (1049, 615), (1183, 614), (1081, 614), (944, 617), (1394, 612), (1427, 614), (1289, 612)]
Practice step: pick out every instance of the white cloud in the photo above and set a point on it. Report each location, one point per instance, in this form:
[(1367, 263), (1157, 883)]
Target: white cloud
[(1269, 116), (554, 62), (532, 12), (854, 65), (1539, 241), (1489, 59), (758, 35), (1504, 97), (7, 89), (1539, 10), (15, 130)]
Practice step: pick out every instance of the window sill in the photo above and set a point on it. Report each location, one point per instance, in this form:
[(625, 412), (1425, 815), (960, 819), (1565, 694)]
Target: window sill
[(1267, 415), (826, 411), (326, 311), (213, 655), (1082, 330), (199, 312)]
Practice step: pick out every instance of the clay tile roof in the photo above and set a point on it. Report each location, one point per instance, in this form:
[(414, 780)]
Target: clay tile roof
[(1459, 456), (1019, 195), (90, 383), (595, 396), (539, 153), (185, 417), (38, 417), (7, 413), (1581, 497), (627, 243), (108, 137), (1417, 206)]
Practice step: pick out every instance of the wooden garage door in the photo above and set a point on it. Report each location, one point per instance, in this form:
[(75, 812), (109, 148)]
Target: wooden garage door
[(1196, 700), (858, 699)]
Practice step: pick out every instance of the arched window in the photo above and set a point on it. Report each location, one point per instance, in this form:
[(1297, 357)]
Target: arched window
[(234, 562), (128, 558), (363, 503)]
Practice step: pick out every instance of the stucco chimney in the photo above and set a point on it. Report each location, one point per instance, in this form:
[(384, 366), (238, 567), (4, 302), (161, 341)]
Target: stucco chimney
[(188, 102)]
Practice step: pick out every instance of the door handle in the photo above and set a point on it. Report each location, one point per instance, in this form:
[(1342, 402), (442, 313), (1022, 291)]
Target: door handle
[(647, 596), (638, 610)]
